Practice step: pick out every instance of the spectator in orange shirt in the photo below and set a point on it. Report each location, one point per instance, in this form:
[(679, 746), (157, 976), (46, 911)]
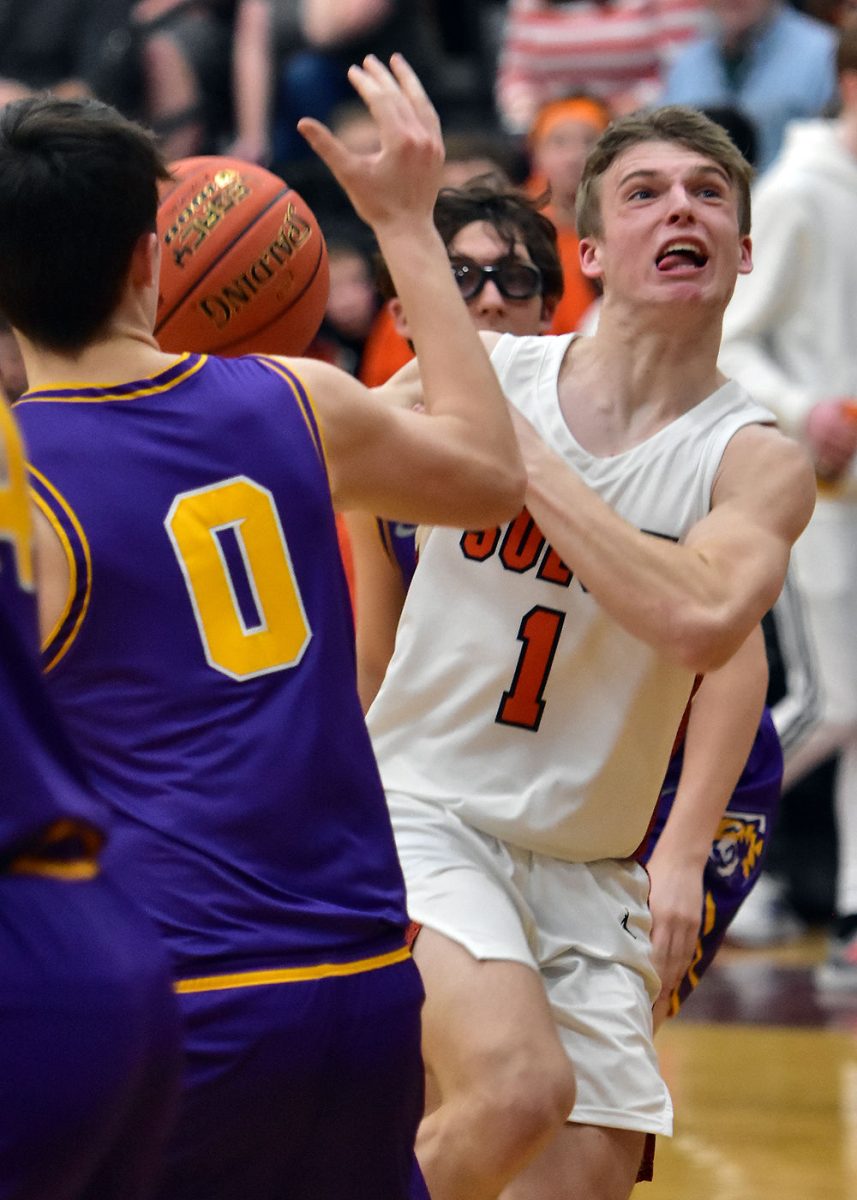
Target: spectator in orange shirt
[(562, 135)]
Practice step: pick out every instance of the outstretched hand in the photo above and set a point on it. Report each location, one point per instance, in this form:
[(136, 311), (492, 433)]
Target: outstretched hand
[(400, 181)]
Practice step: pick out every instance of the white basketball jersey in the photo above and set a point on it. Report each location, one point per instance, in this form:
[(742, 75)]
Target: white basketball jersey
[(511, 696)]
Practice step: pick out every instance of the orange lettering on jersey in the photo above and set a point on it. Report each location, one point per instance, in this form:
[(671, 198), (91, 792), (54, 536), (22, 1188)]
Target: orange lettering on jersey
[(520, 550), (522, 544), (480, 544), (554, 570)]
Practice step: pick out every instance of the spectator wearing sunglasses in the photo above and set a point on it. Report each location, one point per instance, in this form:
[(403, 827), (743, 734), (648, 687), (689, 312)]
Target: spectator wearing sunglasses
[(503, 254)]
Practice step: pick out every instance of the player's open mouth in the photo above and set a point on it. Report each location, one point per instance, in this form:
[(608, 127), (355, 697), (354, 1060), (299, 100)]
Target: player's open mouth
[(678, 255)]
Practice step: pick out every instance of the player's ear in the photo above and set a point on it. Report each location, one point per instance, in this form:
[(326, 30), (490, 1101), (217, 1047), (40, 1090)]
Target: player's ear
[(745, 255), (145, 260), (590, 258), (400, 321)]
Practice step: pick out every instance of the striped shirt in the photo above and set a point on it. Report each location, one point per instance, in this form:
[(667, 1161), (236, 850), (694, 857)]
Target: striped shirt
[(616, 51)]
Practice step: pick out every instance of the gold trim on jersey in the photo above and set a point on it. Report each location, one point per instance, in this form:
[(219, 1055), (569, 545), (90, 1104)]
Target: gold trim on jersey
[(42, 857), (72, 565), (53, 396), (217, 983), (284, 373), (75, 870)]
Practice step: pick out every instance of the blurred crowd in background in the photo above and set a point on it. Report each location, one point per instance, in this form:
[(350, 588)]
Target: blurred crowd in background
[(524, 88)]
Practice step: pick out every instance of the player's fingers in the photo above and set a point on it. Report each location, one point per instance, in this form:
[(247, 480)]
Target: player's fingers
[(381, 74), (669, 956), (395, 103), (326, 145), (672, 974), (383, 98), (666, 973), (682, 957), (373, 82), (410, 83), (659, 954)]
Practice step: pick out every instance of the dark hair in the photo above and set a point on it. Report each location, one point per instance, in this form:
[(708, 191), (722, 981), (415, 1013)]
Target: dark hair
[(78, 187), (515, 217), (506, 155), (673, 123)]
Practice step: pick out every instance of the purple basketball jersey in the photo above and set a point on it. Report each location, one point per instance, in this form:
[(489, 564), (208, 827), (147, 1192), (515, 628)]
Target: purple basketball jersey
[(40, 781), (205, 663), (89, 1059)]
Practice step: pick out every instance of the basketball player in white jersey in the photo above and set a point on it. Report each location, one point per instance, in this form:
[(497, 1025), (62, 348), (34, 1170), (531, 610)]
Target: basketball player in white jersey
[(541, 671)]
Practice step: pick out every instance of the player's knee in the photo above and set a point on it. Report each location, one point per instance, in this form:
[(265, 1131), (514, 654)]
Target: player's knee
[(531, 1099)]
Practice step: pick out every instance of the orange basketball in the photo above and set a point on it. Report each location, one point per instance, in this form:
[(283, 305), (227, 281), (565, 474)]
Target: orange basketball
[(243, 262)]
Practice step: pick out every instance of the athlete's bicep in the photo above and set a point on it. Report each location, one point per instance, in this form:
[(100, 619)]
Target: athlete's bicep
[(762, 500), (399, 463)]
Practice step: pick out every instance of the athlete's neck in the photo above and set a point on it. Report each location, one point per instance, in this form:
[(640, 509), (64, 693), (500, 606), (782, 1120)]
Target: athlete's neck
[(670, 350), (125, 354), (619, 387)]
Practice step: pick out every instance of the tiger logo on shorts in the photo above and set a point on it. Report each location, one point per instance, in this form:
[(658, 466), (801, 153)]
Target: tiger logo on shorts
[(738, 845)]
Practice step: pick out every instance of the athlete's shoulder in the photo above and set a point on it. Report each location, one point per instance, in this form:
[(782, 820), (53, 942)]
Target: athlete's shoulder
[(763, 461), (311, 370)]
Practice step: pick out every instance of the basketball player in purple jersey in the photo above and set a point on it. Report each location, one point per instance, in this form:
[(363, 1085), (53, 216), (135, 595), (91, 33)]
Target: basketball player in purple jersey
[(199, 638), (504, 258), (89, 1054)]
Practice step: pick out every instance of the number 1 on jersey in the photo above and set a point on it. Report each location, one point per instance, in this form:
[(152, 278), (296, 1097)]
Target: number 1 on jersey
[(523, 704)]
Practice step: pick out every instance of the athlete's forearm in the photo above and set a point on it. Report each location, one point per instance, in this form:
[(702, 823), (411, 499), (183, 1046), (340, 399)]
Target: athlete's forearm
[(456, 375), (695, 603), (724, 718), (394, 191), (379, 597), (654, 589)]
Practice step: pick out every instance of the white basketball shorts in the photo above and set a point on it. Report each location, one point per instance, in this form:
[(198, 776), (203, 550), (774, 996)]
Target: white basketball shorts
[(584, 927)]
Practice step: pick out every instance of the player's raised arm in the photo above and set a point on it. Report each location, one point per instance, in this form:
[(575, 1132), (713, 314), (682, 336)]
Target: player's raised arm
[(462, 465)]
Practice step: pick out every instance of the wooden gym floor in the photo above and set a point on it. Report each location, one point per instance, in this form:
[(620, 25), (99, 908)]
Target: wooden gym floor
[(763, 1074)]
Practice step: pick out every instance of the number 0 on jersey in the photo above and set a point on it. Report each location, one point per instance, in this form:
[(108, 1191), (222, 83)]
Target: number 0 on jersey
[(198, 523)]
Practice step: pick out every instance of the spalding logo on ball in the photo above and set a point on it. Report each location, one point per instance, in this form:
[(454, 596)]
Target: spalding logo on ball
[(243, 262)]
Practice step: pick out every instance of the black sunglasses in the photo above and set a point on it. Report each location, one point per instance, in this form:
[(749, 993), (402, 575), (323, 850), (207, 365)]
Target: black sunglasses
[(515, 280)]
